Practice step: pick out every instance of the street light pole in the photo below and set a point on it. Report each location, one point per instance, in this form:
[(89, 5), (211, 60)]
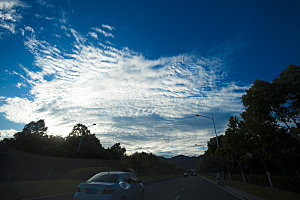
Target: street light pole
[(215, 131), (211, 118), (82, 135)]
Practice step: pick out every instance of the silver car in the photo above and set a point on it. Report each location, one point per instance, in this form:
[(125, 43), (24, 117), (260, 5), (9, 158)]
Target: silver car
[(111, 186)]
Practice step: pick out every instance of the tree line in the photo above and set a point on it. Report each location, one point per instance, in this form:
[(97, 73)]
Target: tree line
[(34, 139), (265, 139)]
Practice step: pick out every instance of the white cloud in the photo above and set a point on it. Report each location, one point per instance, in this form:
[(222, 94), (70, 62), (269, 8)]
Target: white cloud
[(57, 35), (63, 18), (174, 143), (19, 85), (107, 27), (7, 133), (93, 35), (106, 34), (28, 28), (104, 85), (49, 18), (45, 3), (19, 110), (9, 14)]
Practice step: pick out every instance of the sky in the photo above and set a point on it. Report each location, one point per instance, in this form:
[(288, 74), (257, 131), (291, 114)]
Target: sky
[(141, 70)]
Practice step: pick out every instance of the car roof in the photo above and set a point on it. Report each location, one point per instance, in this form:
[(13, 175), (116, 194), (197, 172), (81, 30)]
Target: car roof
[(116, 172)]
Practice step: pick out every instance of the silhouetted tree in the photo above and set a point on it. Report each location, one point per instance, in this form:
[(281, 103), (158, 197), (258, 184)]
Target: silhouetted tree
[(90, 144), (32, 138), (285, 102), (267, 136), (149, 164), (56, 146), (117, 152)]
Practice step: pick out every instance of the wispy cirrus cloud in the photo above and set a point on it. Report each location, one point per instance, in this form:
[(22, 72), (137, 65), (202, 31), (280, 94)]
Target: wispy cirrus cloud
[(105, 33), (107, 27), (146, 104), (93, 35), (142, 103), (10, 14)]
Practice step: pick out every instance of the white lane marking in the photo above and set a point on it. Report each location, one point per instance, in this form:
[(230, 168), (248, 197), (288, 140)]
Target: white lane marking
[(177, 197)]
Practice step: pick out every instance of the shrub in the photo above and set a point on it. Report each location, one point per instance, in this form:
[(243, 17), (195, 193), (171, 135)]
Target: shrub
[(87, 172)]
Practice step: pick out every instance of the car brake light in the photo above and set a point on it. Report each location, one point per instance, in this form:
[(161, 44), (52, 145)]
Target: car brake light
[(108, 191)]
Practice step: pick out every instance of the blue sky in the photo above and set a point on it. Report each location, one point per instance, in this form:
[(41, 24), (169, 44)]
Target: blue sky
[(140, 70)]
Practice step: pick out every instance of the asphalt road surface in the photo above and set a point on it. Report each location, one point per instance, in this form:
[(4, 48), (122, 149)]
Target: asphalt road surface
[(190, 188), (181, 188)]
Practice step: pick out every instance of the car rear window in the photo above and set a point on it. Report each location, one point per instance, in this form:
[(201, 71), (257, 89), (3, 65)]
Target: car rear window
[(105, 178)]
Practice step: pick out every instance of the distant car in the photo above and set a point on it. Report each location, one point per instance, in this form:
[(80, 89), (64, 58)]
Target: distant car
[(194, 174), (185, 175), (111, 186)]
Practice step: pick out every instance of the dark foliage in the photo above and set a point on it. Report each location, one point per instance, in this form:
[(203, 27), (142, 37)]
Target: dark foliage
[(266, 140), (34, 139), (149, 164)]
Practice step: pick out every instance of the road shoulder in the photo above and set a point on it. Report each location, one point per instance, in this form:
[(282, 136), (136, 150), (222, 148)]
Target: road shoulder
[(235, 192)]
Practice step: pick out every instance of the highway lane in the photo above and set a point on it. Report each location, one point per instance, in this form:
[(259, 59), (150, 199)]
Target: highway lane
[(181, 188), (191, 188)]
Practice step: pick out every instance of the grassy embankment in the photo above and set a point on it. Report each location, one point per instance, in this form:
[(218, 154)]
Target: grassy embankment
[(29, 189), (266, 193)]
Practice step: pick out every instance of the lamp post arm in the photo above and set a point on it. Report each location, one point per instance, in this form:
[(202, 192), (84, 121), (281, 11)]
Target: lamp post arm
[(198, 115), (215, 132), (211, 118)]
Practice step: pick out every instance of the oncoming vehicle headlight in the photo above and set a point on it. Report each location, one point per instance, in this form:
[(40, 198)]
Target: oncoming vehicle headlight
[(124, 185)]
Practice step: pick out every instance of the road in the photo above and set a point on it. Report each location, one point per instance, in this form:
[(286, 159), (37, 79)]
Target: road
[(181, 188), (191, 188)]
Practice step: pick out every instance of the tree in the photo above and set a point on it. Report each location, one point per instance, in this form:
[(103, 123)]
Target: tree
[(279, 99), (286, 99), (261, 124), (213, 157), (56, 146), (90, 145), (32, 138), (117, 151), (149, 164), (235, 142), (38, 128), (79, 130), (268, 133)]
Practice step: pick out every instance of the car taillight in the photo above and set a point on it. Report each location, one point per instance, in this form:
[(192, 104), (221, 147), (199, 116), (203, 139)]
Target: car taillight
[(108, 191), (78, 189)]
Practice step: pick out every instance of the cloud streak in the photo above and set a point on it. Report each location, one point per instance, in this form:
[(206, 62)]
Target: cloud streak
[(146, 104), (135, 100), (107, 27), (105, 33), (10, 15)]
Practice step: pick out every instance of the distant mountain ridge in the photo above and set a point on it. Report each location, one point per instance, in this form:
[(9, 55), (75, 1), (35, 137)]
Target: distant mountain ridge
[(186, 161)]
